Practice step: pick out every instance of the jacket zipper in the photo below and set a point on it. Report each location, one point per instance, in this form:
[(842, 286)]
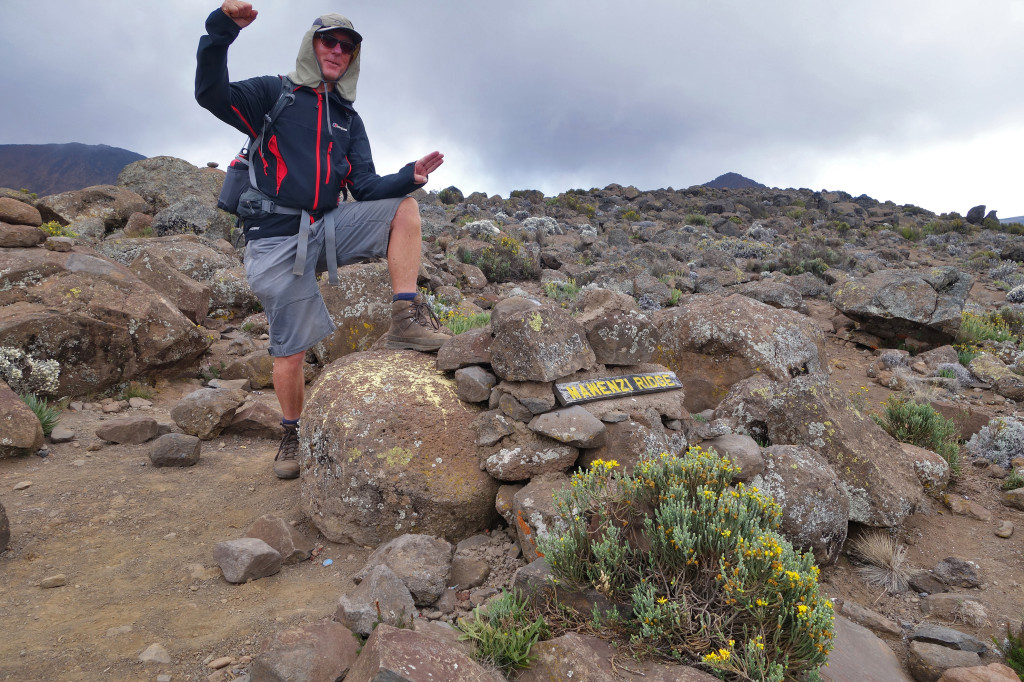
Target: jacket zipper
[(319, 127), (330, 146)]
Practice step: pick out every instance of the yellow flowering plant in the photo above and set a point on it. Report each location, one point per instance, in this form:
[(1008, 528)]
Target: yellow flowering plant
[(696, 562)]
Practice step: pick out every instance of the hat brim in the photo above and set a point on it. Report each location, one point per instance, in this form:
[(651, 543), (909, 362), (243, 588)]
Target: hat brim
[(348, 31)]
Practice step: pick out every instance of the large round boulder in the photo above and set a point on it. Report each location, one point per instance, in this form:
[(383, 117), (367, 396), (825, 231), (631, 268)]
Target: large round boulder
[(164, 180), (386, 448)]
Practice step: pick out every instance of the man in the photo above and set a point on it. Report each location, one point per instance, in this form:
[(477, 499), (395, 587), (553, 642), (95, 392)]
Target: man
[(316, 148)]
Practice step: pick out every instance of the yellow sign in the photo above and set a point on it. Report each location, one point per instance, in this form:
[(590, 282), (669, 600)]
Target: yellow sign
[(615, 387)]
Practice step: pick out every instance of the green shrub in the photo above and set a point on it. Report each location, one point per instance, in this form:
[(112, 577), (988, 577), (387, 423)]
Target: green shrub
[(698, 563), (947, 374), (911, 233), (505, 633), (572, 201), (562, 292), (1013, 649), (450, 196), (503, 261), (48, 415), (457, 322), (55, 229), (1014, 480), (923, 426), (795, 213), (697, 219), (965, 352), (975, 328), (631, 215), (674, 296)]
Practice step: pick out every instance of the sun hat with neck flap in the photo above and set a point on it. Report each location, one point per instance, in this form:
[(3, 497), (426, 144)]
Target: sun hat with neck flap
[(307, 68)]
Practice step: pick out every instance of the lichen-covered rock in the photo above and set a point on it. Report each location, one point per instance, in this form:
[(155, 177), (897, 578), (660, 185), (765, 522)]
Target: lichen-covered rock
[(360, 306), (618, 332), (96, 318), (713, 342), (877, 477), (165, 180), (162, 273), (400, 654), (533, 511), (20, 236), (524, 454), (20, 430), (931, 469), (193, 216), (776, 294), (111, 205), (386, 448), (898, 303), (207, 412), (380, 599), (815, 509), (540, 344), (991, 370), (422, 562)]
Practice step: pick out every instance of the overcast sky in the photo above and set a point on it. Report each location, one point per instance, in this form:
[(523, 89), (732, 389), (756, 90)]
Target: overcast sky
[(910, 100)]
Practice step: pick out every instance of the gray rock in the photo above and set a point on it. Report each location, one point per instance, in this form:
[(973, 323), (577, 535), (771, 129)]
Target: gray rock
[(491, 426), (255, 368), (742, 450), (929, 661), (957, 572), (536, 396), (533, 511), (381, 597), (947, 637), (525, 454), (774, 293), (246, 559), (474, 384), (155, 653), (408, 655), (110, 205), (465, 350), (129, 430), (165, 180), (256, 420), (572, 426), (20, 430), (292, 545), (513, 408), (468, 572), (175, 450), (160, 271), (892, 302), (617, 330), (872, 620), (206, 412), (192, 215), (422, 562), (815, 508), (51, 581), (946, 605), (59, 244), (860, 655), (320, 651), (541, 344), (17, 212)]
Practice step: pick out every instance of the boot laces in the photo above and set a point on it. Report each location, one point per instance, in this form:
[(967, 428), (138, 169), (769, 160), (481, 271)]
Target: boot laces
[(422, 314), (289, 449)]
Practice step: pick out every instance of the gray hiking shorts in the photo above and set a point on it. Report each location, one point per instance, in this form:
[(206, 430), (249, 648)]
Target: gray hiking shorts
[(295, 310)]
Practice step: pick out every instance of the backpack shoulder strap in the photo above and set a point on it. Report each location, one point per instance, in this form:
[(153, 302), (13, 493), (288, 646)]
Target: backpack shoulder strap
[(285, 99)]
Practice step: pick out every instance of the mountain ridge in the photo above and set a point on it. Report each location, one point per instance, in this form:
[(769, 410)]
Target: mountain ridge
[(53, 168)]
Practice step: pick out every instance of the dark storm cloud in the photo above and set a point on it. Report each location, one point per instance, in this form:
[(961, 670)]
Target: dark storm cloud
[(534, 94)]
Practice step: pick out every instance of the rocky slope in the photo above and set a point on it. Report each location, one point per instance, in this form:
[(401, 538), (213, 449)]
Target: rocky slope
[(786, 315)]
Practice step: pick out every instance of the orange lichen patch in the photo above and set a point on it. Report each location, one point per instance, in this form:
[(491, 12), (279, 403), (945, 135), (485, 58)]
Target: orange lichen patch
[(527, 532)]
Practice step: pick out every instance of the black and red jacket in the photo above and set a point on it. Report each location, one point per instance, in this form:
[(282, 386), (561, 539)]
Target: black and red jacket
[(302, 163)]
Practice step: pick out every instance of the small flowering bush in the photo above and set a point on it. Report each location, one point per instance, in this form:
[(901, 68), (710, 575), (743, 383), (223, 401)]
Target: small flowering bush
[(503, 261), (26, 374), (699, 563), (999, 441)]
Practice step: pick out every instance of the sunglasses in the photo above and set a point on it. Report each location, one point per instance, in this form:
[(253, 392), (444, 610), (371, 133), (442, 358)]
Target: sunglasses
[(329, 41)]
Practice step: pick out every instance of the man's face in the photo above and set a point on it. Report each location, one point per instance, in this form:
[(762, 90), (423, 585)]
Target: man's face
[(334, 60)]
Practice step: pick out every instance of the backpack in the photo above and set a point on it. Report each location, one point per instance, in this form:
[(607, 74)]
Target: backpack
[(240, 177)]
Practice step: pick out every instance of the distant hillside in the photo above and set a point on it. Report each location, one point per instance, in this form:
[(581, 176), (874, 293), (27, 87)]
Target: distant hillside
[(1018, 219), (52, 168), (733, 181)]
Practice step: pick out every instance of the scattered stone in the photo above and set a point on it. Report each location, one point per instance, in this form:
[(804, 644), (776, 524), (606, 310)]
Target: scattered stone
[(468, 572), (872, 620), (947, 637), (218, 663), (62, 434), (1004, 529), (401, 654), (256, 420), (474, 383), (129, 430), (742, 450), (58, 580), (175, 450), (533, 511), (1014, 498), (155, 653), (963, 507), (422, 562), (993, 672), (321, 651), (20, 431), (572, 426), (292, 545), (22, 485), (951, 605), (246, 559), (929, 661), (381, 597), (206, 412), (957, 572)]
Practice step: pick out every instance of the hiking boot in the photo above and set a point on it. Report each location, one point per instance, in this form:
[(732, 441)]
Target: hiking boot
[(286, 464), (414, 326)]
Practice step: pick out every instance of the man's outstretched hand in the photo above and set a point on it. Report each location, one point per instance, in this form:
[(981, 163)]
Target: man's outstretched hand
[(425, 166), (240, 12)]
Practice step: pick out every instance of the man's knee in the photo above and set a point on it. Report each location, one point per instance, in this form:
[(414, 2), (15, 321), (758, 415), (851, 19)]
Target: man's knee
[(289, 363), (407, 215)]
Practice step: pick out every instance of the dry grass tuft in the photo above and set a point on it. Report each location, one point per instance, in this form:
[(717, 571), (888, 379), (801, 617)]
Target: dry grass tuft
[(885, 561), (970, 613)]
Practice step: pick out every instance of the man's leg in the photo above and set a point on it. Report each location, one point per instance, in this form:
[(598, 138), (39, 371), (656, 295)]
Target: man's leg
[(405, 247), (413, 325), (290, 384)]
